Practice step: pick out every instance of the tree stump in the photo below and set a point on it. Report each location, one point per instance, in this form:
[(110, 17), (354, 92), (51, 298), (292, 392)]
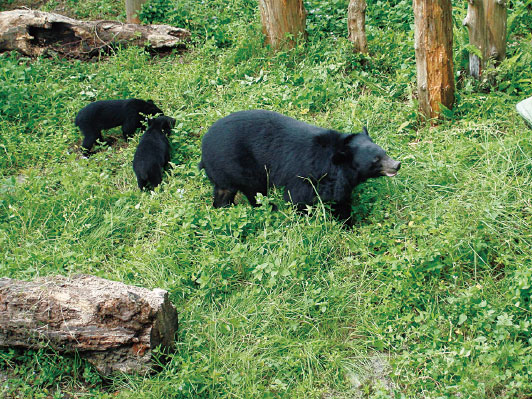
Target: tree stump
[(283, 21), (114, 326), (35, 33), (486, 24), (356, 25), (132, 10), (434, 55)]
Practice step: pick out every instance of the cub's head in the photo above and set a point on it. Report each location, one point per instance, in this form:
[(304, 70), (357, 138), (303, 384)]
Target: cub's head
[(151, 108), (162, 123)]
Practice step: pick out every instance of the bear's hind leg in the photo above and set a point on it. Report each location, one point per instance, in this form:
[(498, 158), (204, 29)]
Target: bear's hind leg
[(250, 195), (155, 178), (223, 197), (129, 127)]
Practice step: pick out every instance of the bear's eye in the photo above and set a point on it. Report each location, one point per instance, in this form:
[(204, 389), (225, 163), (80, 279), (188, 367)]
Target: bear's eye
[(376, 159)]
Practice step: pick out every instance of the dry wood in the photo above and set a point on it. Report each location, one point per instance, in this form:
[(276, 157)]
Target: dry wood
[(113, 325), (35, 33), (486, 24), (434, 57), (281, 18), (356, 25)]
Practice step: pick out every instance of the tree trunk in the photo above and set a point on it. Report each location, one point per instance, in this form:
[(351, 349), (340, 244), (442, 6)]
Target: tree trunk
[(356, 25), (486, 23), (35, 33), (113, 325), (434, 56), (283, 21), (132, 10)]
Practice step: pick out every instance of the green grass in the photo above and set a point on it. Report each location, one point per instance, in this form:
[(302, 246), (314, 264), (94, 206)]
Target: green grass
[(435, 276)]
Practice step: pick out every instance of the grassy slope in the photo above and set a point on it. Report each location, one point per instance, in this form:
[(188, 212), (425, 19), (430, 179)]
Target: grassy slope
[(435, 274)]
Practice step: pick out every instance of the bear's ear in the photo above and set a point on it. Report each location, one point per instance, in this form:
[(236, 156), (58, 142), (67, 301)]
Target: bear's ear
[(348, 138), (150, 102), (325, 139), (340, 157), (365, 131), (344, 153)]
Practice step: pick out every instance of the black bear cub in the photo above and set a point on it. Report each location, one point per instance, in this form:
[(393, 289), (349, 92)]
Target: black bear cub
[(153, 152), (250, 151), (106, 114)]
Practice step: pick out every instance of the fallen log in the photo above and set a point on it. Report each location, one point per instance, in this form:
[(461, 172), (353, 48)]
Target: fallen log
[(115, 326), (35, 33)]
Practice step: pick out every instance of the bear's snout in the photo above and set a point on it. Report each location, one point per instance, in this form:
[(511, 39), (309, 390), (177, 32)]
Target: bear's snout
[(390, 167)]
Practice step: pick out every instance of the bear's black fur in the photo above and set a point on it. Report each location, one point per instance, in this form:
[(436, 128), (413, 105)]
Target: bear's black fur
[(249, 151), (153, 152), (106, 114)]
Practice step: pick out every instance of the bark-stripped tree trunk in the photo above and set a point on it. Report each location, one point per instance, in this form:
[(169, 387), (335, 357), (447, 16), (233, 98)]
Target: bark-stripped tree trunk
[(434, 56), (132, 10), (356, 25), (114, 326), (283, 21), (486, 23)]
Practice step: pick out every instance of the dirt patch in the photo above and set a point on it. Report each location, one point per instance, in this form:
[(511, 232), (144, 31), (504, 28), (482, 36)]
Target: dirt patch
[(365, 382)]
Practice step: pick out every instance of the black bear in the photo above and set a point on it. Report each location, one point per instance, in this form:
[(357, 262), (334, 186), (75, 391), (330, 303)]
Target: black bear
[(153, 152), (105, 114), (249, 151)]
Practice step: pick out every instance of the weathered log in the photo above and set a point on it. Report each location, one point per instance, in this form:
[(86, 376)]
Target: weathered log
[(434, 55), (114, 326), (35, 33), (356, 25)]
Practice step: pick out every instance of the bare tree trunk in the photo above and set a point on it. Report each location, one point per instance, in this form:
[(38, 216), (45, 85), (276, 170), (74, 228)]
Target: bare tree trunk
[(486, 23), (356, 25), (132, 10), (282, 18), (113, 325), (434, 56), (35, 33)]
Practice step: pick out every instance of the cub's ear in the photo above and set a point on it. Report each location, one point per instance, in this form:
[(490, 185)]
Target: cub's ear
[(150, 102), (365, 131), (169, 123)]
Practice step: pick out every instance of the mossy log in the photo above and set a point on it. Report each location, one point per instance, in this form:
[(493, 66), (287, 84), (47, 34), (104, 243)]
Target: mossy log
[(35, 33), (114, 326)]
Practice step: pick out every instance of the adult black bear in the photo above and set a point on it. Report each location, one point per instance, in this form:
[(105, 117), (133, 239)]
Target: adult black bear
[(105, 114), (153, 152), (249, 151)]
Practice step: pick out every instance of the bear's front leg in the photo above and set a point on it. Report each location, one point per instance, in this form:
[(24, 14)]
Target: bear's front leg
[(342, 211)]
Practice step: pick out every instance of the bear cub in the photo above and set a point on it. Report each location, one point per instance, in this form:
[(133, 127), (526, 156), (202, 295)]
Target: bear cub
[(106, 114), (250, 151), (153, 152)]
